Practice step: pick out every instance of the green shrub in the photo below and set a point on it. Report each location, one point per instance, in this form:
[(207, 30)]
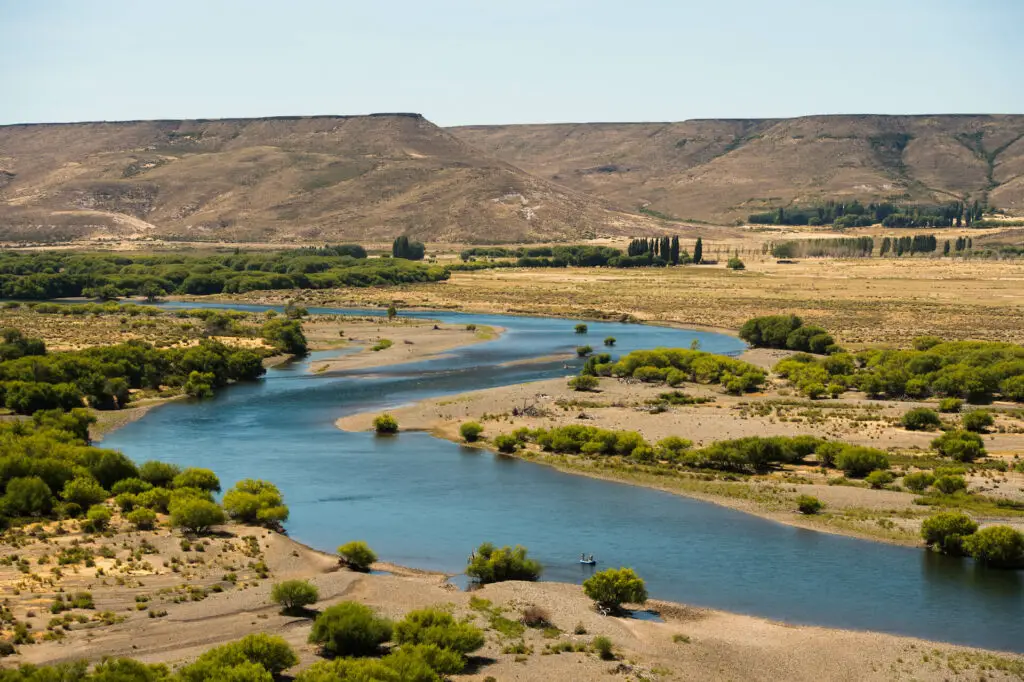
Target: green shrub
[(613, 587), (294, 595), (609, 341), (947, 485), (195, 515), (254, 501), (808, 504), (141, 518), (918, 481), (583, 351), (385, 424), (921, 419), (84, 492), (202, 479), (27, 496), (130, 485), (357, 555), (945, 532), (735, 264), (603, 646), (581, 329), (879, 479), (159, 474), (1000, 546), (470, 431), (98, 517), (858, 462), (254, 657), (950, 405), (584, 382), (977, 421), (826, 454), (963, 446), (350, 629), (437, 627), (489, 564), (506, 443)]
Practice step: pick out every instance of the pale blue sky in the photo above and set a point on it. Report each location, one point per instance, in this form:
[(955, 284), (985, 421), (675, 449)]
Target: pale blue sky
[(518, 61)]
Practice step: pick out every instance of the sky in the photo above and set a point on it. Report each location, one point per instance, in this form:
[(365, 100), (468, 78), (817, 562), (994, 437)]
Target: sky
[(525, 61)]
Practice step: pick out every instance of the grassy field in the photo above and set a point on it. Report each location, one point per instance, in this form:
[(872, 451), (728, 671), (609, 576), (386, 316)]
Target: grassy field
[(866, 301)]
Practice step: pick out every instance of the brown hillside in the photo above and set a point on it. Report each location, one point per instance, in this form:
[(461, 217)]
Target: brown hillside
[(723, 170), (278, 179)]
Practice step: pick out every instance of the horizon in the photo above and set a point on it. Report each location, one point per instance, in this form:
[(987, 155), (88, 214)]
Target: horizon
[(461, 63)]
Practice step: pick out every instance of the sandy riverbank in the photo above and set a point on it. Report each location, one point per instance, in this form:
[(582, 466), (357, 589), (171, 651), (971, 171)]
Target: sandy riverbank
[(854, 510), (205, 598)]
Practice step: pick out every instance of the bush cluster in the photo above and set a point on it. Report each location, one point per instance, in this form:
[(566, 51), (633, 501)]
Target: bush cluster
[(956, 534), (490, 564), (787, 331), (673, 366)]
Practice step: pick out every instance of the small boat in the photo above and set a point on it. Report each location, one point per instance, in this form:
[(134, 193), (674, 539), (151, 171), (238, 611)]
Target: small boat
[(588, 562)]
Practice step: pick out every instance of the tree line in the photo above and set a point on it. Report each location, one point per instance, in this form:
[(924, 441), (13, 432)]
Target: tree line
[(889, 214), (47, 275)]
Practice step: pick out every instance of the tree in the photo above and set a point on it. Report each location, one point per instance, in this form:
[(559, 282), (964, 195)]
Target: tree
[(234, 662), (141, 518), (159, 474), (584, 382), (920, 419), (581, 328), (357, 555), (858, 462), (285, 336), (977, 421), (438, 628), (918, 482), (195, 515), (489, 564), (199, 385), (674, 250), (698, 251), (392, 312), (294, 595), (84, 491), (253, 501), (350, 629), (385, 424), (963, 446), (609, 341), (1000, 546), (470, 431), (613, 587), (98, 517), (948, 485)]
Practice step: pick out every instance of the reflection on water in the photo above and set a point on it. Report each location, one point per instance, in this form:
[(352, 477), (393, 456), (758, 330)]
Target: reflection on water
[(425, 502)]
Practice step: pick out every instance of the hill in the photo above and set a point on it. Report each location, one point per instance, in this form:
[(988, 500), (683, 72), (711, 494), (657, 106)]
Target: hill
[(280, 179), (724, 170)]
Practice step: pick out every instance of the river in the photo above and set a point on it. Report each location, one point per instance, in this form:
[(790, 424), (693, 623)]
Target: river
[(425, 502)]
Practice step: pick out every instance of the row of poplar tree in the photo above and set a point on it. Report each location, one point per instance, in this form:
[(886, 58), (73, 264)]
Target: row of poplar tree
[(666, 248)]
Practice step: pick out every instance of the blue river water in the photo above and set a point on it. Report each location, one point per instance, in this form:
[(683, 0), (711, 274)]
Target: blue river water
[(424, 502)]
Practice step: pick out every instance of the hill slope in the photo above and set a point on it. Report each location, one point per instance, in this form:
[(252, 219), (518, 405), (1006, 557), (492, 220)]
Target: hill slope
[(723, 170), (277, 179)]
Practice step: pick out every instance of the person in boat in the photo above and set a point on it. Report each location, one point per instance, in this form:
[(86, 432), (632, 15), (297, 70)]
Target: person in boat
[(591, 559), (583, 557)]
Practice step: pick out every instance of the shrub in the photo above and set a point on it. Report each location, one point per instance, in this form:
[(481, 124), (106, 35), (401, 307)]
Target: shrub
[(194, 477), (963, 446), (98, 517), (735, 264), (584, 382), (858, 462), (919, 481), (255, 501), (977, 421), (142, 518), (350, 629), (603, 646), (921, 419), (950, 405), (27, 496), (584, 351), (437, 627), (945, 532), (535, 617), (581, 329), (293, 595), (84, 492), (130, 485), (947, 485), (385, 424), (357, 555), (808, 504), (159, 474), (1000, 546), (489, 564), (826, 454), (609, 341), (613, 587), (470, 431), (506, 443), (195, 515), (879, 479), (254, 657)]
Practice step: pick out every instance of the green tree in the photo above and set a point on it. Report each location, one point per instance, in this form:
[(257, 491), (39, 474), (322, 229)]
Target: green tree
[(920, 419), (438, 628), (141, 518), (253, 653), (194, 477), (918, 482), (254, 501), (698, 251), (357, 555), (963, 446), (294, 595), (385, 424), (98, 518), (613, 587), (948, 485), (945, 532), (490, 564), (858, 462), (285, 336), (977, 421), (584, 382), (159, 474), (27, 496), (350, 629), (84, 492)]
